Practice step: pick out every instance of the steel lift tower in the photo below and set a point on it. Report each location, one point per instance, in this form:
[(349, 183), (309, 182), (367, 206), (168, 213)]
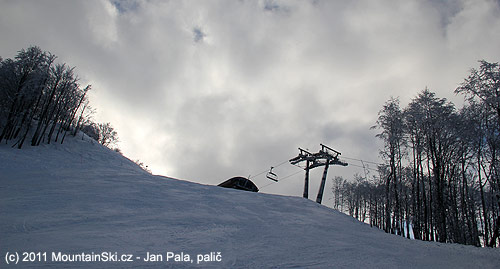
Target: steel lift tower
[(325, 157)]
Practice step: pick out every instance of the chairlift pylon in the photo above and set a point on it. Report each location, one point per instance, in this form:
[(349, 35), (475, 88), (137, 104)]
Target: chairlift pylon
[(271, 175)]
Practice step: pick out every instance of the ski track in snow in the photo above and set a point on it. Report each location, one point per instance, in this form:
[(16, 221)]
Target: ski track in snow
[(81, 197)]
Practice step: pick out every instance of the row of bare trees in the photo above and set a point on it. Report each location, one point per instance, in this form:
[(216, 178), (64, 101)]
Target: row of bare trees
[(42, 101), (440, 179)]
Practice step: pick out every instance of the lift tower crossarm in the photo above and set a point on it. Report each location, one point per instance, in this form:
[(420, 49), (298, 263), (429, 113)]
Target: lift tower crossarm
[(304, 155), (323, 147)]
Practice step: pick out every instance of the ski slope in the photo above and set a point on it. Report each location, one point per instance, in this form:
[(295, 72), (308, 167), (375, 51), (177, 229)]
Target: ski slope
[(80, 197)]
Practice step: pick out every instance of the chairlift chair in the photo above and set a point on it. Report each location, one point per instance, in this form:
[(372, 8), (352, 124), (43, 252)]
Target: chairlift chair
[(271, 175)]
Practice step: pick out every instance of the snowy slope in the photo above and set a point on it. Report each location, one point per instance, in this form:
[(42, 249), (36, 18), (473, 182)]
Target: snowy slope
[(82, 198)]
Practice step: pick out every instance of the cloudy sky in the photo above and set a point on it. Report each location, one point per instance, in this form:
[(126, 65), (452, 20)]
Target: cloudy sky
[(207, 90)]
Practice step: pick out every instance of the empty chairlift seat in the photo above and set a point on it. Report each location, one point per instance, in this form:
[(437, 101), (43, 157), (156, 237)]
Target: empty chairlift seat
[(239, 183)]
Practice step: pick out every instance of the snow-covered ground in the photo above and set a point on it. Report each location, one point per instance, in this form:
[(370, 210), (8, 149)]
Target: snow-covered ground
[(79, 197)]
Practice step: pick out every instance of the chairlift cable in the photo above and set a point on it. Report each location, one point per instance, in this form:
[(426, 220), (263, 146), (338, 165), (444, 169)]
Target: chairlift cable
[(354, 159), (267, 170), (366, 167)]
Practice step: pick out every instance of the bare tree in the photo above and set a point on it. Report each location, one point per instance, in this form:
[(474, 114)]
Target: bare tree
[(390, 121), (107, 134)]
